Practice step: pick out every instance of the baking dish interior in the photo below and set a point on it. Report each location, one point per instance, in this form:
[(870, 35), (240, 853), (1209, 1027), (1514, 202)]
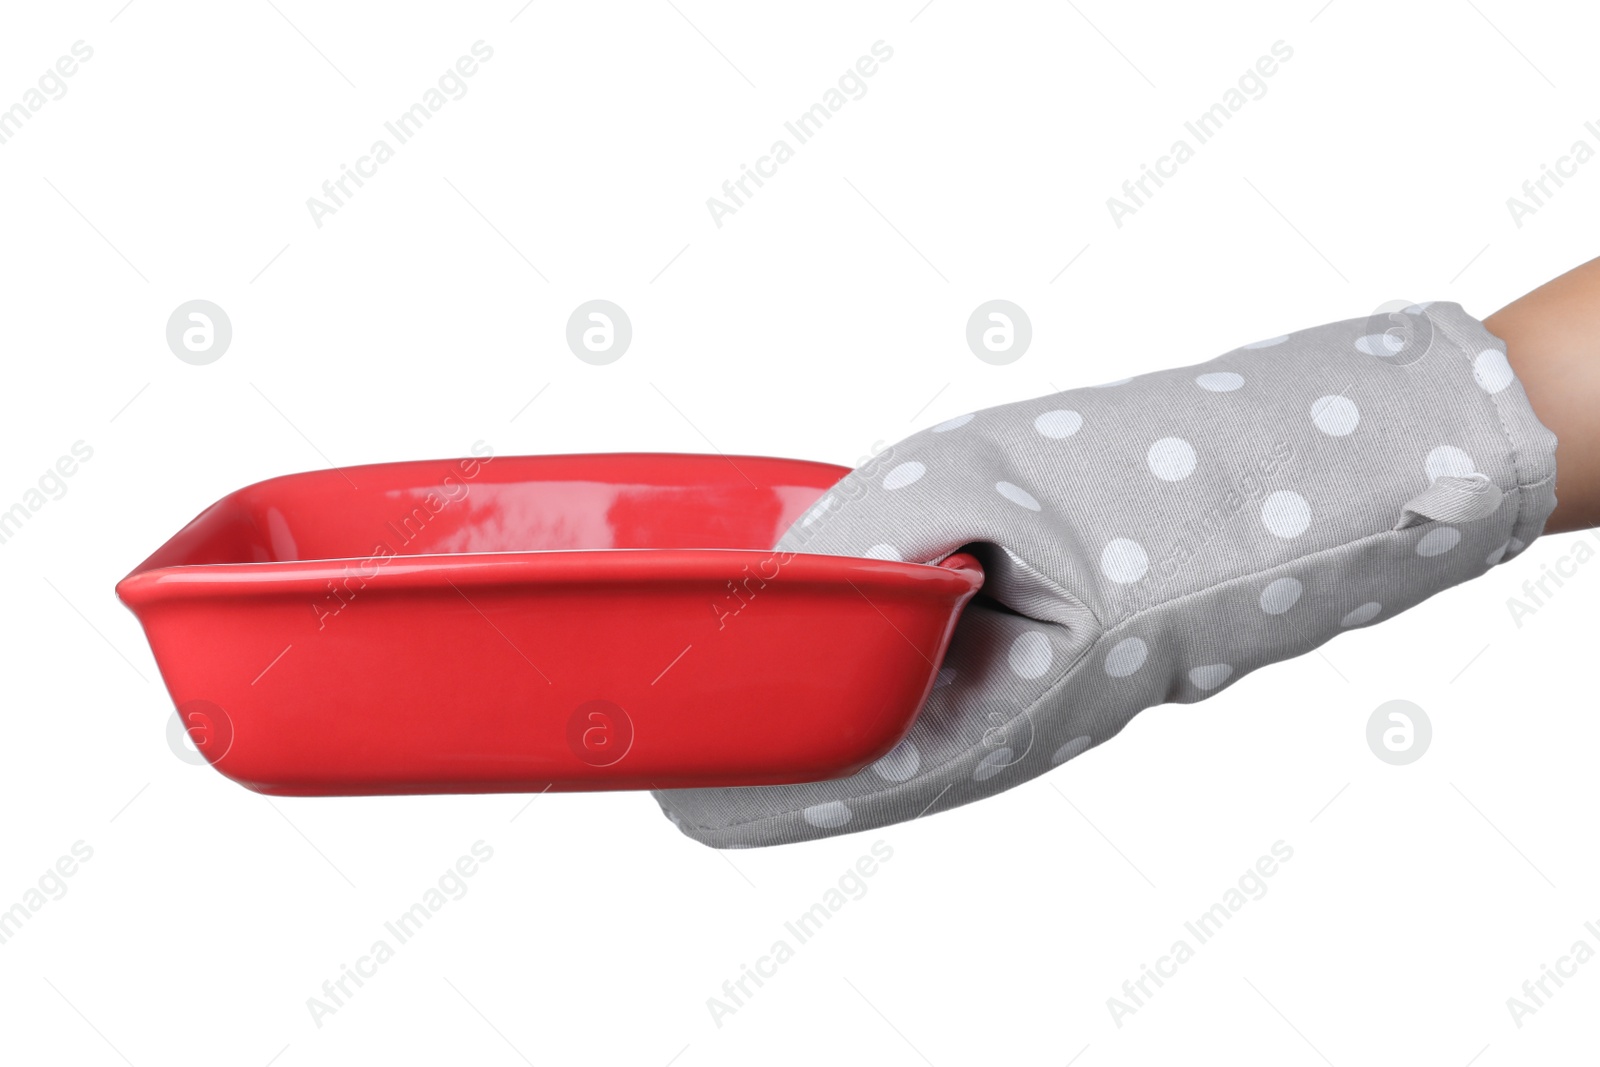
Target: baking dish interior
[(485, 504)]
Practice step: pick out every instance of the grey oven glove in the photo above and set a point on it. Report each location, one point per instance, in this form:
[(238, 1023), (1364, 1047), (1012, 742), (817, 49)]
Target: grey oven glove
[(1153, 540)]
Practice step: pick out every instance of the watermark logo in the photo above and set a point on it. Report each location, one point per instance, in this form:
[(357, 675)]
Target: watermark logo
[(1399, 732), (51, 86), (599, 332), (199, 332), (851, 885), (451, 85), (1536, 991), (1398, 332), (1007, 740), (451, 885), (1150, 576), (1536, 592), (1251, 885), (199, 732), (401, 534), (999, 332), (1251, 85), (52, 485), (1537, 192), (50, 886), (599, 732)]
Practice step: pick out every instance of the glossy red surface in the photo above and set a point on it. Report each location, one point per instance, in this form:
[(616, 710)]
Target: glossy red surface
[(519, 623)]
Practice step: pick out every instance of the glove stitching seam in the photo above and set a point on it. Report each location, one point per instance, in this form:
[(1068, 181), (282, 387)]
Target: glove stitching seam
[(1496, 403)]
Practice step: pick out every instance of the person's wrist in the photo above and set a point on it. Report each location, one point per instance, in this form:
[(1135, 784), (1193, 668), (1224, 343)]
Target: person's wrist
[(1552, 338)]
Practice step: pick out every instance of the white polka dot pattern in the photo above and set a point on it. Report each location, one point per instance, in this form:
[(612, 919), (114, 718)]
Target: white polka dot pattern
[(828, 816), (1126, 656), (1058, 425), (1220, 381), (1155, 538), (1171, 459), (903, 475), (1286, 514), (1362, 615), (1030, 654), (1017, 495), (1336, 416), (1124, 560), (1280, 596), (901, 763), (1210, 676), (954, 424)]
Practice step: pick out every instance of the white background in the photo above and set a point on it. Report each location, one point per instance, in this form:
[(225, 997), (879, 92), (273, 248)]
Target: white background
[(826, 315)]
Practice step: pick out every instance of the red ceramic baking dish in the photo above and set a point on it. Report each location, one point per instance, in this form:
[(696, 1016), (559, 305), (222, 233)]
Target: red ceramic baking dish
[(522, 623)]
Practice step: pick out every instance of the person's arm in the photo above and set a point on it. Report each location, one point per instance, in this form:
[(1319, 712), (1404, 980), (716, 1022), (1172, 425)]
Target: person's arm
[(1552, 338)]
